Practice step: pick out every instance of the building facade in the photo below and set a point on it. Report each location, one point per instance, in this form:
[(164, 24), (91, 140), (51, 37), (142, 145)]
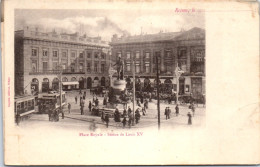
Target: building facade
[(43, 59), (185, 49)]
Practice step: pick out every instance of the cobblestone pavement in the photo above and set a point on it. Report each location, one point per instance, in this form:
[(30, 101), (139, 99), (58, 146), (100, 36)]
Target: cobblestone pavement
[(74, 120)]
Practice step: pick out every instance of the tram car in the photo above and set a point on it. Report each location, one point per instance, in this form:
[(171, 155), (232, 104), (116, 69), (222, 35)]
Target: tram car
[(23, 107), (50, 101)]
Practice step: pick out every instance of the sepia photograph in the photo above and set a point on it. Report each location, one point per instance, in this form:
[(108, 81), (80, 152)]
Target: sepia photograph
[(130, 82), (109, 68)]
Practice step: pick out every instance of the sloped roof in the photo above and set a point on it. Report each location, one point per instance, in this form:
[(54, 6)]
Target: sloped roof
[(194, 33)]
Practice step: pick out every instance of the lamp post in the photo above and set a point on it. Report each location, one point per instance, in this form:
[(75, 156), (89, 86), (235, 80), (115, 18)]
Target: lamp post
[(133, 122), (178, 73), (158, 96), (60, 78)]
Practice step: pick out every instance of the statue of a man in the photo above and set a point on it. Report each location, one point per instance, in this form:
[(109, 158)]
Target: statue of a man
[(119, 68)]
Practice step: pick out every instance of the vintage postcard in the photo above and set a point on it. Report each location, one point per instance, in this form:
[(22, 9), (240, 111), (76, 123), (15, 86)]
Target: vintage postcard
[(130, 82)]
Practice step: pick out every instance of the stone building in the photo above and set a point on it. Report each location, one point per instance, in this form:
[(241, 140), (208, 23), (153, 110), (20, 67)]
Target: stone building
[(185, 48), (40, 58)]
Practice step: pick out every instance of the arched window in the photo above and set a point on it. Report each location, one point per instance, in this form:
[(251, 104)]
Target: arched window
[(55, 80), (103, 81), (81, 79), (34, 86), (89, 83), (55, 84), (45, 85), (35, 80), (64, 79), (45, 80)]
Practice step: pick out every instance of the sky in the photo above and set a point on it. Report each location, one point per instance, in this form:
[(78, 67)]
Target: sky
[(105, 23)]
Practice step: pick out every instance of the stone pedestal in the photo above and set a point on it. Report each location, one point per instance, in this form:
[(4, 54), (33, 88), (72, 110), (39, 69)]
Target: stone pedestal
[(119, 86)]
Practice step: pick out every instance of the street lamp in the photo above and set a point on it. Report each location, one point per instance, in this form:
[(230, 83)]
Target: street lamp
[(60, 78), (158, 96), (133, 122), (178, 73)]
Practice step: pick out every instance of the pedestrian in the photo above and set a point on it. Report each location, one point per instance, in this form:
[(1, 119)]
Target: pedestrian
[(96, 102), (76, 99), (189, 118), (169, 113), (50, 114), (81, 110), (69, 107), (143, 111), (80, 92), (137, 101), (129, 111), (193, 109), (177, 110), (102, 116), (124, 113), (105, 101), (82, 102), (146, 104), (107, 120), (137, 116), (117, 115), (84, 97), (124, 122), (62, 114), (175, 98), (142, 99), (89, 106), (166, 112), (56, 116), (130, 118)]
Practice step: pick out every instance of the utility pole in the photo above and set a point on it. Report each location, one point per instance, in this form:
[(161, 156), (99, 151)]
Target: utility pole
[(158, 96), (177, 80), (133, 122), (178, 73), (60, 78)]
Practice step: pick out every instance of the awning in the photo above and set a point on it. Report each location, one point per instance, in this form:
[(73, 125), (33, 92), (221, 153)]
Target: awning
[(70, 83)]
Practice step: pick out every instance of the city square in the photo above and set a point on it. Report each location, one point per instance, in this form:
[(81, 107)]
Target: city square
[(74, 119), (53, 66)]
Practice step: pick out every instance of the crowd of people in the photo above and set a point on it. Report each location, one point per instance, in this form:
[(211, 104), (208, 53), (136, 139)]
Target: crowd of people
[(167, 112), (126, 117)]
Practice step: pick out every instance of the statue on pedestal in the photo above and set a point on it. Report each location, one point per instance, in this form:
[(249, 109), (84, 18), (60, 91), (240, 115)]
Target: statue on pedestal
[(119, 69)]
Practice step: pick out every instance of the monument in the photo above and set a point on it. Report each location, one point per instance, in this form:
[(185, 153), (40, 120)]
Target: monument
[(119, 84), (117, 88)]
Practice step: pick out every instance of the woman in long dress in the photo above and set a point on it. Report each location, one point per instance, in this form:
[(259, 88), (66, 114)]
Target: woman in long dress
[(189, 118)]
